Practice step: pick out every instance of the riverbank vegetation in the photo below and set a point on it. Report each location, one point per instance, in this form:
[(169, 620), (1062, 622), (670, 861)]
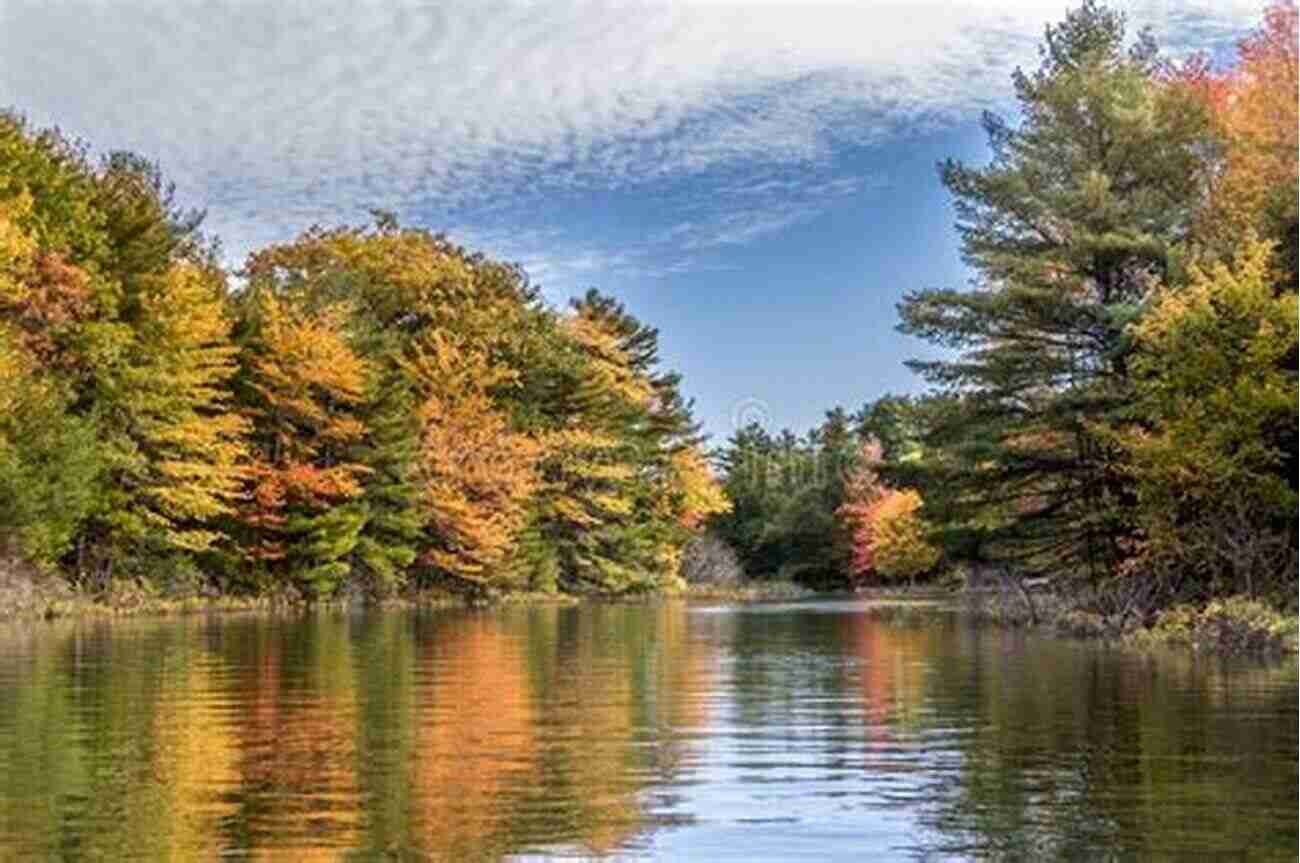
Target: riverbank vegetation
[(1112, 411), (374, 411)]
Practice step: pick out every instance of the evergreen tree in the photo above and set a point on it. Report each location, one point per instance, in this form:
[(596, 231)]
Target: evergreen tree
[(785, 493), (1075, 219), (390, 540)]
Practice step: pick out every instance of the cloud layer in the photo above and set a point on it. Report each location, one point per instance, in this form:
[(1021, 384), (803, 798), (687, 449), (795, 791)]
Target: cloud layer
[(276, 115)]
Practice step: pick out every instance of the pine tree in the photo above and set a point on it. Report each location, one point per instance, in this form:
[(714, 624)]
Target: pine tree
[(391, 539), (1068, 228), (668, 486), (589, 469)]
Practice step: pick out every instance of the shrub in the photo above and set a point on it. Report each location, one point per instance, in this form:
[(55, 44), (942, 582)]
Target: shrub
[(1237, 624)]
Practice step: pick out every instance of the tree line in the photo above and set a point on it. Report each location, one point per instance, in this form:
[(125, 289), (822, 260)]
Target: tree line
[(1116, 397), (375, 408), (363, 408)]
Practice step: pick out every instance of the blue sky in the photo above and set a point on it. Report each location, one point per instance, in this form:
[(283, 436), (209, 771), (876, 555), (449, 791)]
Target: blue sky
[(756, 179)]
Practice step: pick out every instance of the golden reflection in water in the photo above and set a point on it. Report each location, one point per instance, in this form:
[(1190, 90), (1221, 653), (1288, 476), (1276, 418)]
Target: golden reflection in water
[(195, 761), (475, 737), (543, 729)]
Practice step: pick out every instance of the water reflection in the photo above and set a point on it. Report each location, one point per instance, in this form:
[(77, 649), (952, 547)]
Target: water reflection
[(825, 730)]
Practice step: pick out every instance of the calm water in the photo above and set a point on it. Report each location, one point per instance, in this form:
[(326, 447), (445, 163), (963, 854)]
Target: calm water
[(672, 731)]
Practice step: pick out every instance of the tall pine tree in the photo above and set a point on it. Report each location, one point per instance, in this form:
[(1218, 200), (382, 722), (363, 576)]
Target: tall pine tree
[(1069, 227)]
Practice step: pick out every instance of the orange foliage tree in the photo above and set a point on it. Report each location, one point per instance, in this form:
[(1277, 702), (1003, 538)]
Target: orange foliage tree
[(888, 535), (302, 383), (899, 548), (451, 470), (475, 474), (1254, 106), (862, 491)]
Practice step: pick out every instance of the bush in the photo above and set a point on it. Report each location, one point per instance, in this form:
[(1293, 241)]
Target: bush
[(1237, 624)]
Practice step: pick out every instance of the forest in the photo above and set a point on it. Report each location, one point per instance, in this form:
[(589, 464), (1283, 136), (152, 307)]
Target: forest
[(374, 410), (363, 408)]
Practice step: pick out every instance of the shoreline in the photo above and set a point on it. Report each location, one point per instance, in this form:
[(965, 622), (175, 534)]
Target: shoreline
[(27, 600), (1233, 626)]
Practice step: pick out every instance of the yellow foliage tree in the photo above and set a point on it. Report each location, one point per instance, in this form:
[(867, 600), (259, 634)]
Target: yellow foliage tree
[(698, 492), (17, 254), (402, 282), (186, 454), (899, 547), (1212, 379)]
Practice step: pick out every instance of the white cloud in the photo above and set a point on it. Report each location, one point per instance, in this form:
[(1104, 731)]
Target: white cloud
[(277, 115)]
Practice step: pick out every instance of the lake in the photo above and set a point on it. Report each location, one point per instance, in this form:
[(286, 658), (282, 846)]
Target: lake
[(816, 730)]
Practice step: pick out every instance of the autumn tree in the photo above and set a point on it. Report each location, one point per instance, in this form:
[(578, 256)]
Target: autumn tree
[(1254, 110), (889, 538), (475, 475), (369, 402), (899, 547), (449, 337), (863, 491), (1216, 515), (1253, 190), (693, 492), (301, 384), (61, 324), (181, 468)]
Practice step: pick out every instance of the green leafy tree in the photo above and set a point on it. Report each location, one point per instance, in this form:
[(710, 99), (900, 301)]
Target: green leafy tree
[(51, 468)]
